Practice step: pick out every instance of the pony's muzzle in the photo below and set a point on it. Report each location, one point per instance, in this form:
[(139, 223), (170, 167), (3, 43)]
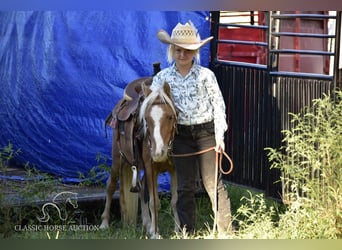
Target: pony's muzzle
[(160, 156)]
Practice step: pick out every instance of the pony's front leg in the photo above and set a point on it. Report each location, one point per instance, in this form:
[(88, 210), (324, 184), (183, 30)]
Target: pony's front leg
[(144, 202), (151, 179), (174, 198)]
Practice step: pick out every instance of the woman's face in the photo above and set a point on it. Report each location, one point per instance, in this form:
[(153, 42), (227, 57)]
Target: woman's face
[(183, 57)]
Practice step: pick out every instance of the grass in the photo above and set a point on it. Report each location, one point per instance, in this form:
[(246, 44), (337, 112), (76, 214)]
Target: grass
[(29, 228)]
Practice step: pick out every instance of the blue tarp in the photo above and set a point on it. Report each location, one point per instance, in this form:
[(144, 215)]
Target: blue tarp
[(61, 73)]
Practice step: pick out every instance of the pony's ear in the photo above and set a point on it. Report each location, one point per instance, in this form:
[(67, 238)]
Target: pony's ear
[(146, 90), (167, 88)]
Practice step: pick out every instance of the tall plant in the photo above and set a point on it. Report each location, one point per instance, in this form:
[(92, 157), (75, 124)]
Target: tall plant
[(311, 164)]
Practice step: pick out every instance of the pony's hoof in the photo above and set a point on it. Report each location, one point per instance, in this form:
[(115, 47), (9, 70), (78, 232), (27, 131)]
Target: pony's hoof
[(156, 237), (104, 226)]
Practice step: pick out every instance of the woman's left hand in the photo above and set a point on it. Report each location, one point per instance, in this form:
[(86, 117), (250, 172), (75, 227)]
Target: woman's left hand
[(220, 146)]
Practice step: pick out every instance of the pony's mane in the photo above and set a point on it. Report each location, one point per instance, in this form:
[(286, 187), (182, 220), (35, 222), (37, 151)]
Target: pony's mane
[(150, 99)]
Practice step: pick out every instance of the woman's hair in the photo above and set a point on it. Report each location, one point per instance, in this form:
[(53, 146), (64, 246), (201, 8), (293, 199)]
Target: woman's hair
[(170, 52)]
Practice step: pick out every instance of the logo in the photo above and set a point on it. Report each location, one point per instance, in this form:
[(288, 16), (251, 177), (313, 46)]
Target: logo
[(66, 197), (57, 207)]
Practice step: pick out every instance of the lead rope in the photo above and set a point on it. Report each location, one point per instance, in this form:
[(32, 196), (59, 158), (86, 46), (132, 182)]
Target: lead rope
[(215, 196), (218, 163), (219, 159)]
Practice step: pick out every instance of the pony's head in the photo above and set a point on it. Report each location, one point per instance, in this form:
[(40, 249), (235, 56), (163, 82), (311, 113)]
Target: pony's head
[(159, 118)]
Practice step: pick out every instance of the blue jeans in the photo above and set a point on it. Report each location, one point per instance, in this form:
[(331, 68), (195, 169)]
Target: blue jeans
[(190, 139)]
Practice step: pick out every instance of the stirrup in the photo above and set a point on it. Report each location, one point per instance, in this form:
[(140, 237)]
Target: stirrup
[(135, 188)]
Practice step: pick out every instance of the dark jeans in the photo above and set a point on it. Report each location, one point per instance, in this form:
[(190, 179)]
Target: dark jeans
[(190, 139)]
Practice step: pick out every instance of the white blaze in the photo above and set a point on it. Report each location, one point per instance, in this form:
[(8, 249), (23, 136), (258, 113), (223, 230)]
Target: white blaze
[(156, 114)]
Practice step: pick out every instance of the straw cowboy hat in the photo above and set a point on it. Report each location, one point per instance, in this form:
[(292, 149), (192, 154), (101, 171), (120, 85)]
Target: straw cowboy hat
[(183, 35)]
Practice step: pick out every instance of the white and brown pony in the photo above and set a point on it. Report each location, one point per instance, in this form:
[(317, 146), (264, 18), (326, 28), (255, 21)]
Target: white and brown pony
[(158, 119)]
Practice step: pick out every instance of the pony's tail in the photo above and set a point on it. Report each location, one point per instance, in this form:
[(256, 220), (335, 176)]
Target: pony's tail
[(129, 201)]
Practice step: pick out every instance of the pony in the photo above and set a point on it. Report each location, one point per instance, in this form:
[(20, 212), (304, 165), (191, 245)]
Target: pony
[(159, 119), (154, 125)]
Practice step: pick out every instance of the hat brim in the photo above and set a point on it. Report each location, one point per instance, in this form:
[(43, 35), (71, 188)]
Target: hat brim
[(164, 37)]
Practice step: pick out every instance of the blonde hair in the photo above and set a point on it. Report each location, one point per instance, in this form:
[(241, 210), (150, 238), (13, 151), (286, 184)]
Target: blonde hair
[(171, 50)]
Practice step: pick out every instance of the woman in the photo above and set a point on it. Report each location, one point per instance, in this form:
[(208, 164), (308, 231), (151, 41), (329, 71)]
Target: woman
[(201, 123)]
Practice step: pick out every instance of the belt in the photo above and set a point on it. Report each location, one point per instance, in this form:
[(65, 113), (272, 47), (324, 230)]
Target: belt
[(196, 126)]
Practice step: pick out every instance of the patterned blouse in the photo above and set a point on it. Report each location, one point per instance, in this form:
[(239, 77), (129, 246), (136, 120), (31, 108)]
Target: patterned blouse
[(197, 97)]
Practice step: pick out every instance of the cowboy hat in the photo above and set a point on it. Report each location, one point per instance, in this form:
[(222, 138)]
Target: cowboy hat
[(185, 36)]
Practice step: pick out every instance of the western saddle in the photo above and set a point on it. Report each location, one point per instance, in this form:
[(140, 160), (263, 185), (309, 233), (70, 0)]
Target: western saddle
[(123, 120)]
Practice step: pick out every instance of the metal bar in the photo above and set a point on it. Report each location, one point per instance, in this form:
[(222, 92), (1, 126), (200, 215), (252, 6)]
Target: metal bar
[(304, 16), (243, 26), (302, 35), (252, 17), (299, 51), (299, 74), (215, 20), (243, 42), (296, 43), (336, 81), (242, 64), (269, 40), (234, 13), (273, 42)]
